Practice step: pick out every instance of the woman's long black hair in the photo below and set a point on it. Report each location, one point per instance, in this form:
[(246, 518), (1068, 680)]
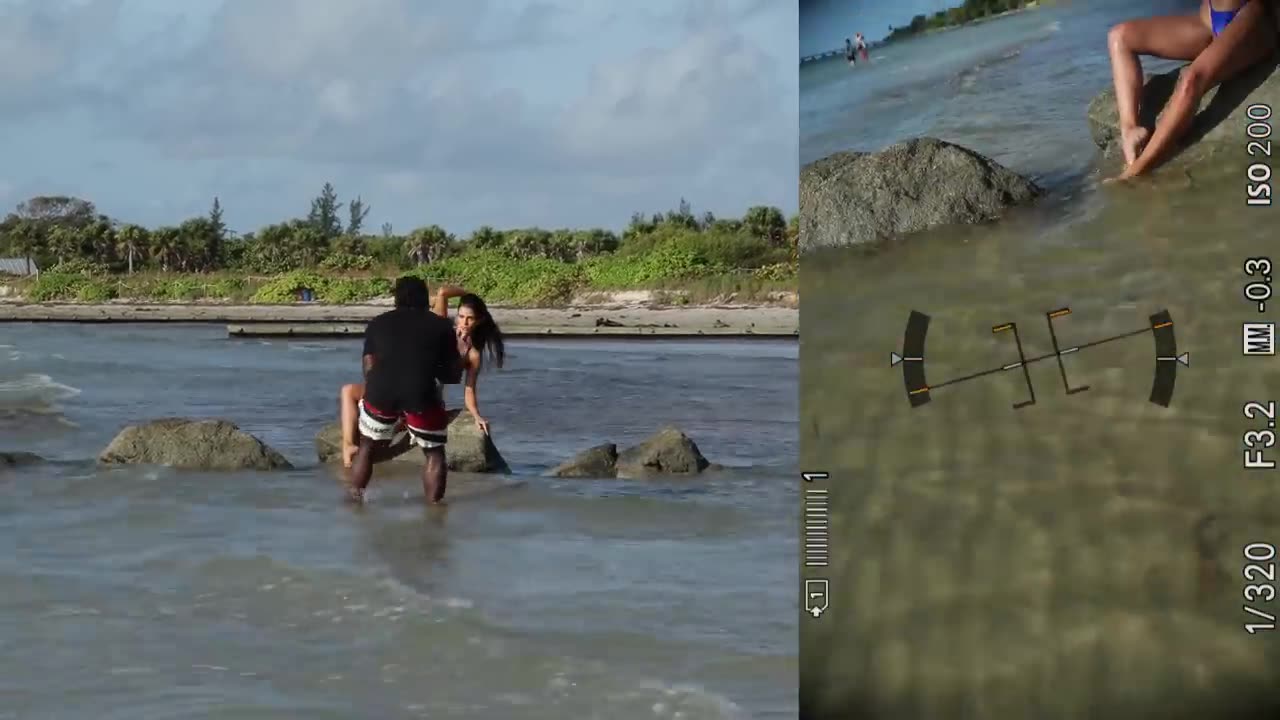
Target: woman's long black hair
[(485, 334)]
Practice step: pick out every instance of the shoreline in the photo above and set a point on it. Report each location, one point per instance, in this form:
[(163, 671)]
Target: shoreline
[(839, 52), (610, 320)]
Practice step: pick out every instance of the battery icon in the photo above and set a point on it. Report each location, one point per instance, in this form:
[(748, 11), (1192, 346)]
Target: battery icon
[(815, 597)]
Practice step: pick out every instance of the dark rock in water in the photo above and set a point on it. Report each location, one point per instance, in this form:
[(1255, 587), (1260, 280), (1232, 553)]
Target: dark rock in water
[(1219, 126), (859, 198), (468, 449), (193, 445), (667, 451), (600, 461), (14, 459)]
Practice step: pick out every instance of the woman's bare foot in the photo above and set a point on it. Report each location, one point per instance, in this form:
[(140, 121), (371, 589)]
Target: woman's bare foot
[(349, 454), (1132, 140)]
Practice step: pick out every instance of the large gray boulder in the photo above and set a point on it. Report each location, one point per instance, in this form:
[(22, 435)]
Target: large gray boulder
[(860, 198), (666, 452), (600, 461), (192, 445), (468, 449), (1219, 126)]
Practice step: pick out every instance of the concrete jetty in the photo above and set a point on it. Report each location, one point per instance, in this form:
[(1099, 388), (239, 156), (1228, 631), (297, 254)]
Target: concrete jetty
[(317, 330), (314, 320)]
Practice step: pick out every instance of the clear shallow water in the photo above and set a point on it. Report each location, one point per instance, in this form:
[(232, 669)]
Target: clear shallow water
[(1016, 89), (150, 593)]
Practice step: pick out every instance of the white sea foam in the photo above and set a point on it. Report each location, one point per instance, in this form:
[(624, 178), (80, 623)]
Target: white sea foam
[(34, 395), (680, 700)]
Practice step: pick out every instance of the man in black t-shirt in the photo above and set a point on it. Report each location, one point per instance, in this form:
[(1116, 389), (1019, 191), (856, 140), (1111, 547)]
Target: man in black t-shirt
[(407, 351)]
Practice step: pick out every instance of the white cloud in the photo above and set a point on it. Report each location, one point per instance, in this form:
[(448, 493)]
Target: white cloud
[(559, 113)]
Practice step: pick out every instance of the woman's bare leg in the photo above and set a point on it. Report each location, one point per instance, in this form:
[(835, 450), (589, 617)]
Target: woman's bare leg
[(349, 411), (1249, 39), (1175, 37)]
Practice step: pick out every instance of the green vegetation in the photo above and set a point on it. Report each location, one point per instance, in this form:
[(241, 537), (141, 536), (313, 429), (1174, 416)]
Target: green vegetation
[(89, 257), (968, 12)]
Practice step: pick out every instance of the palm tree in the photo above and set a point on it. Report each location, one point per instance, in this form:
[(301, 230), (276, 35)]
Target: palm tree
[(426, 244), (128, 239), (485, 237), (99, 236), (767, 223), (164, 247), (64, 243), (26, 238), (529, 243)]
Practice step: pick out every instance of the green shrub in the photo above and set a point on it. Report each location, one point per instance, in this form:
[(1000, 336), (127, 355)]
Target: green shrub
[(732, 250), (777, 271), (55, 286), (184, 289), (669, 261), (346, 261), (94, 290), (80, 266), (284, 289), (354, 290), (229, 288), (724, 245), (156, 289), (499, 278)]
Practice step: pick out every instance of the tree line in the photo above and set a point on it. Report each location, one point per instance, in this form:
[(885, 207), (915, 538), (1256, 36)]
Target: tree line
[(67, 231), (971, 10)]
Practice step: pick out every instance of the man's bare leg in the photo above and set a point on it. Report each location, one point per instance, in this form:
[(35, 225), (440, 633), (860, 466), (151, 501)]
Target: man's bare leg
[(435, 474), (361, 469), (1175, 37), (349, 412)]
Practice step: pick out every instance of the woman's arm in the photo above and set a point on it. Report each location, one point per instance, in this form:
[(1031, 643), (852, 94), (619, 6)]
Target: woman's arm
[(440, 305), (469, 399), (1248, 39)]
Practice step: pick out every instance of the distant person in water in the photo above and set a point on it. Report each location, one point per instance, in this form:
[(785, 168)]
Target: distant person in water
[(848, 52), (860, 44), (476, 332), (1223, 39), (408, 353)]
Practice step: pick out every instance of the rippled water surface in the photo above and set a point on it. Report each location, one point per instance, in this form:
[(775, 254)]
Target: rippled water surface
[(149, 593)]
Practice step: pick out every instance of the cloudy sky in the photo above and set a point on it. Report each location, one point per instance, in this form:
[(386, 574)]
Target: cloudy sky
[(456, 112)]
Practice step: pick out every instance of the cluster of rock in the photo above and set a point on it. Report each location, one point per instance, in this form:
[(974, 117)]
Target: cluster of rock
[(194, 444), (666, 452)]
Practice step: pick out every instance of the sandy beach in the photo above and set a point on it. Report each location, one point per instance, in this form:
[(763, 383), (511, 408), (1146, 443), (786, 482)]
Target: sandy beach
[(614, 319)]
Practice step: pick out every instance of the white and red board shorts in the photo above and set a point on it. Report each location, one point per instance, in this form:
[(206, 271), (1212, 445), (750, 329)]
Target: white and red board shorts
[(427, 429)]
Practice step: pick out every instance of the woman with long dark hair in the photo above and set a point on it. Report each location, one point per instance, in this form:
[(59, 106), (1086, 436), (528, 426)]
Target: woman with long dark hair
[(476, 331)]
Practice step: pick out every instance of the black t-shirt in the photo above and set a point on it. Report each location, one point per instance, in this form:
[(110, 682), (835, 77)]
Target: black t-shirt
[(412, 350)]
